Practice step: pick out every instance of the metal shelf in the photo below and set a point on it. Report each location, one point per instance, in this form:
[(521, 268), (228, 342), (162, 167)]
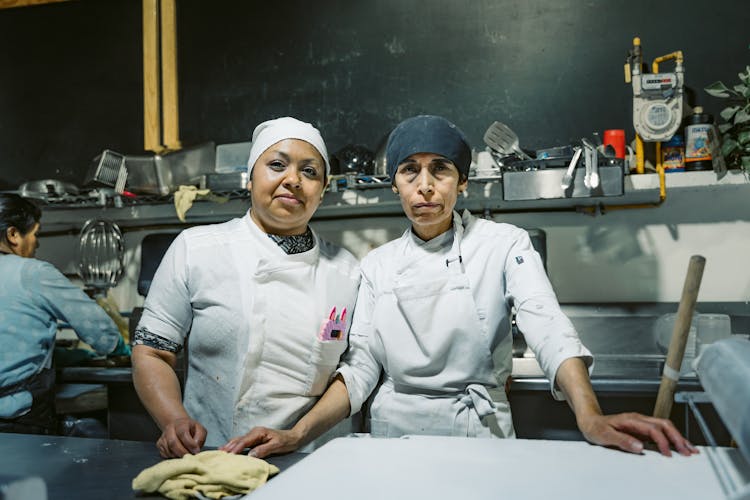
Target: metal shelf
[(372, 200)]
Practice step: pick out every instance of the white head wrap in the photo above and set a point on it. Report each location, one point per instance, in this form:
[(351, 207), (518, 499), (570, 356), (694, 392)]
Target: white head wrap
[(272, 131)]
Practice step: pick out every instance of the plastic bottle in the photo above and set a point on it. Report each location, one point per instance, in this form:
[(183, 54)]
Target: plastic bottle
[(699, 135), (673, 154)]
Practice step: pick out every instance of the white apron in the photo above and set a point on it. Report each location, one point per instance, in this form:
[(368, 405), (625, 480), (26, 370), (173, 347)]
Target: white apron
[(441, 377), (253, 314), (286, 367)]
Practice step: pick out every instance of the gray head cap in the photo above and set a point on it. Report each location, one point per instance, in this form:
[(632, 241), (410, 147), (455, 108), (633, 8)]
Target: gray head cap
[(427, 134)]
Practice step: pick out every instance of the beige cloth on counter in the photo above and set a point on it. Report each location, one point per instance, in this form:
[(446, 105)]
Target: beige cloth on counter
[(186, 195), (213, 474)]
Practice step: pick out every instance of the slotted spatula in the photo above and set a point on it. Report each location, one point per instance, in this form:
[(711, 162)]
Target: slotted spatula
[(503, 140)]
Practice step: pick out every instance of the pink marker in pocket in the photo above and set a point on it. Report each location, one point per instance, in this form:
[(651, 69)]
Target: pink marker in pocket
[(333, 328)]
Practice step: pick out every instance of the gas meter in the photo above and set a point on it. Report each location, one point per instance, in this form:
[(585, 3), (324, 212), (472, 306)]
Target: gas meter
[(657, 97)]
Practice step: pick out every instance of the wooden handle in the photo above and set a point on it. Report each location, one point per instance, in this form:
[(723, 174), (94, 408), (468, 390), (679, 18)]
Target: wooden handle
[(679, 337), (169, 99), (151, 89)]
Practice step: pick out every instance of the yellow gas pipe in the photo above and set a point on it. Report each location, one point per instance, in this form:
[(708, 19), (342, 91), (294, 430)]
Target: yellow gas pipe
[(639, 152), (659, 165)]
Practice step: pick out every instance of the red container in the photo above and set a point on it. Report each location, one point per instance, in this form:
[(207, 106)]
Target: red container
[(616, 139)]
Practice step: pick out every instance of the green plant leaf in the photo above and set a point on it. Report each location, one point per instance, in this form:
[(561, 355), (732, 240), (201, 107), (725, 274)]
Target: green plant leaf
[(728, 113), (718, 89), (742, 116), (728, 147), (742, 89), (723, 127), (745, 77)]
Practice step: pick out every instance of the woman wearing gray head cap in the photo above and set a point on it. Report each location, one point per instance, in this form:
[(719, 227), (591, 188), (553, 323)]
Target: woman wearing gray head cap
[(263, 300), (433, 315)]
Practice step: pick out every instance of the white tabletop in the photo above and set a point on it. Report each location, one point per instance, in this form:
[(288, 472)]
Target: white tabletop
[(465, 468)]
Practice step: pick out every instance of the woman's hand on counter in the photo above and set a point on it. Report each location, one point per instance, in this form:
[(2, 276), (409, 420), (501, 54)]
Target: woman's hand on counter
[(628, 431), (180, 437), (263, 442), (329, 410)]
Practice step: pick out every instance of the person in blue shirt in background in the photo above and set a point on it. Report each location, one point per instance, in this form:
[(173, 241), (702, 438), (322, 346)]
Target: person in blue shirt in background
[(34, 295)]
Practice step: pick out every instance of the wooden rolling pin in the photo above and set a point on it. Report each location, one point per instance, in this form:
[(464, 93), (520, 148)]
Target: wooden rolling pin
[(671, 373)]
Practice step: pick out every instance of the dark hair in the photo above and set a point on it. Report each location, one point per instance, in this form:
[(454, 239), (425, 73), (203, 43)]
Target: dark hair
[(17, 212)]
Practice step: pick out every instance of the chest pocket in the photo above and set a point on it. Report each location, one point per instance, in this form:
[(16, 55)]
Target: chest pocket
[(437, 306), (324, 358)]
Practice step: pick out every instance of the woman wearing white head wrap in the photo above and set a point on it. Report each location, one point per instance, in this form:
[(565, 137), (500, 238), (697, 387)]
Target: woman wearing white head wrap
[(431, 335), (262, 299), (272, 131), (287, 168)]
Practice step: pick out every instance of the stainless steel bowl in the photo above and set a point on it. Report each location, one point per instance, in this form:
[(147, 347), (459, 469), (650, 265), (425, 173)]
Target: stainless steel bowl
[(47, 188)]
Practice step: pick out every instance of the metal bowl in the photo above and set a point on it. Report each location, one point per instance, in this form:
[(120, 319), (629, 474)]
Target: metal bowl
[(47, 188)]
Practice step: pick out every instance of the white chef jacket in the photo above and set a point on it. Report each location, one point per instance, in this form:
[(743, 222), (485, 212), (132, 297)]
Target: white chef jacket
[(446, 360), (251, 315)]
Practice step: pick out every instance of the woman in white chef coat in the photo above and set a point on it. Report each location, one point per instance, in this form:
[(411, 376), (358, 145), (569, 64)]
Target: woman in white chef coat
[(433, 315), (255, 296)]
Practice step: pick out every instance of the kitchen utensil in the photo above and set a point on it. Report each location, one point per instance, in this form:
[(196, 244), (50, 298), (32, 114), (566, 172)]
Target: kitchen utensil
[(711, 328), (591, 180), (187, 166), (555, 152), (663, 328), (100, 255), (232, 157), (503, 140), (546, 184), (46, 188), (108, 169), (100, 265), (146, 176), (594, 180), (671, 373), (568, 177), (235, 181), (616, 139), (381, 168), (485, 167)]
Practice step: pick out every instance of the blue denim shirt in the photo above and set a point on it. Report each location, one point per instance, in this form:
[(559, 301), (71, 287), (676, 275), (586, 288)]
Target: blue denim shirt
[(33, 297)]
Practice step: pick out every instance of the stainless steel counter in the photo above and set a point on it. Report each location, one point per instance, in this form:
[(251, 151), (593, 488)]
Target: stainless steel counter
[(86, 469), (611, 374)]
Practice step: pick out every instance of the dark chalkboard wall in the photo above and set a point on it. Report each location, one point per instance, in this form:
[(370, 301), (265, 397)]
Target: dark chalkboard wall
[(551, 69), (70, 85)]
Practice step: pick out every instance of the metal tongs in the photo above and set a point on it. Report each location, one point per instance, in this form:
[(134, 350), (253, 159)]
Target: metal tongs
[(568, 177), (591, 180)]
